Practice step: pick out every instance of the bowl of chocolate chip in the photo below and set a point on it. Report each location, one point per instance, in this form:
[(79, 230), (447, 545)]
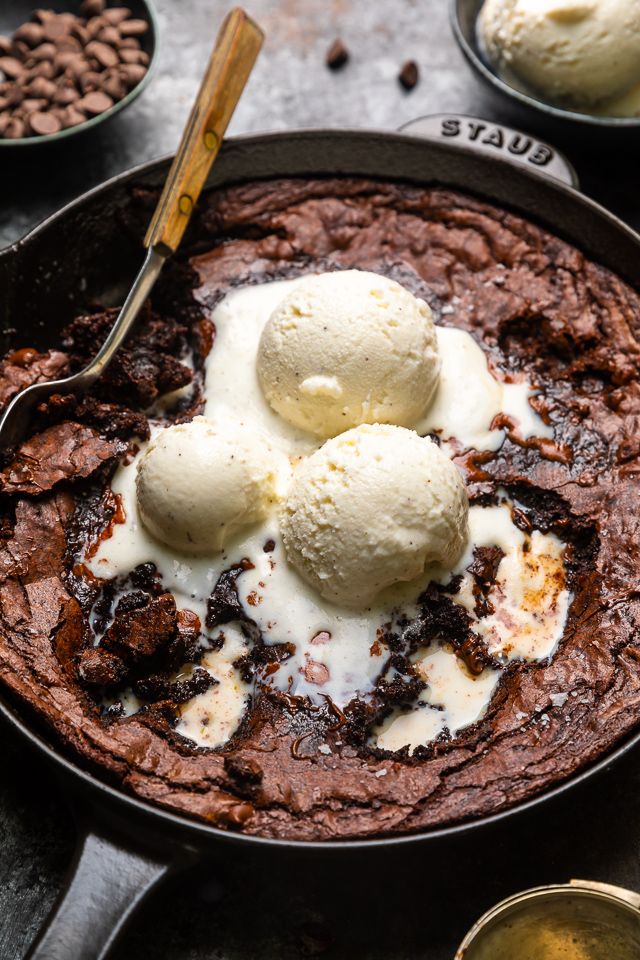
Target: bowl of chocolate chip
[(70, 67)]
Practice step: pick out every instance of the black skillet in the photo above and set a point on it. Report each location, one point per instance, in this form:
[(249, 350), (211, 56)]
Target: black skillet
[(125, 846)]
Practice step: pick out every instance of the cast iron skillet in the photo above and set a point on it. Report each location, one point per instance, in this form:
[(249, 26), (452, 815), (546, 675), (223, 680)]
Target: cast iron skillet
[(127, 847)]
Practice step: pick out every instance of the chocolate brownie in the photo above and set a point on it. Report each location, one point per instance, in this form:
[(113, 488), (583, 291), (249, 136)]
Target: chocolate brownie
[(536, 305)]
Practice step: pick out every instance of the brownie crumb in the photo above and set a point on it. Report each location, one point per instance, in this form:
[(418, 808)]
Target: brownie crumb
[(337, 55), (409, 75)]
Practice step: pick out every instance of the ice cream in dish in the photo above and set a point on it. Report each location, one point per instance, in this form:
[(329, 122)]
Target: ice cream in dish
[(333, 540), (583, 54)]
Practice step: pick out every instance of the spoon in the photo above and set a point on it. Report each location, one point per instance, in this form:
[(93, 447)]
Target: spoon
[(234, 54)]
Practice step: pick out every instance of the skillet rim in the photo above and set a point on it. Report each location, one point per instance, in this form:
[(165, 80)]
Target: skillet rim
[(156, 815)]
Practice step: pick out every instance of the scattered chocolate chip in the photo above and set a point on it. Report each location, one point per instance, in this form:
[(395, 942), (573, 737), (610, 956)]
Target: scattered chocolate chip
[(337, 55), (409, 75)]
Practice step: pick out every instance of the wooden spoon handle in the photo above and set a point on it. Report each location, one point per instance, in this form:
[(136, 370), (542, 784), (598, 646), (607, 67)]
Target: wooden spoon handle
[(234, 54)]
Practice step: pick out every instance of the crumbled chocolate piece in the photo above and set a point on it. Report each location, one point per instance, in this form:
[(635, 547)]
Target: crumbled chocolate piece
[(160, 686), (484, 568), (101, 668), (185, 647), (224, 604), (143, 369), (337, 55), (141, 629), (409, 75)]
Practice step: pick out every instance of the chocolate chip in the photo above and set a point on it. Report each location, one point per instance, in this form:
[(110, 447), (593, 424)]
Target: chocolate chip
[(31, 33), (94, 26), (20, 50), (44, 68), (102, 52), (95, 102), (337, 55), (56, 29), (15, 96), (115, 15), (89, 81), (114, 85), (11, 67), (44, 123), (133, 73), (42, 16), (46, 51), (110, 35), (133, 28), (409, 75), (41, 87), (65, 95), (92, 8), (15, 129), (33, 105), (71, 116)]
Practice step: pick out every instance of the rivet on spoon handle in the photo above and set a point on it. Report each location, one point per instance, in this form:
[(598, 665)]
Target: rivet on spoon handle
[(237, 47)]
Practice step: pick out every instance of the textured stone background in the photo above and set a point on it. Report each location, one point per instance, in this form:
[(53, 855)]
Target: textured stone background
[(417, 905)]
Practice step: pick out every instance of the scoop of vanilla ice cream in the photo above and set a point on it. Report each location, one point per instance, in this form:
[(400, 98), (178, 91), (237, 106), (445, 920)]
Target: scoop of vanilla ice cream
[(199, 483), (346, 348), (373, 507), (584, 51)]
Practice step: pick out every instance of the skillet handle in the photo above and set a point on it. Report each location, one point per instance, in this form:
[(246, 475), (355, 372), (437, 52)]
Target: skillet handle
[(106, 885), (494, 140)]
